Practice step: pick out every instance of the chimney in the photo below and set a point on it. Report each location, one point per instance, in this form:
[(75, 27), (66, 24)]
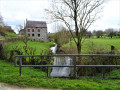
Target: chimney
[(26, 19), (24, 25)]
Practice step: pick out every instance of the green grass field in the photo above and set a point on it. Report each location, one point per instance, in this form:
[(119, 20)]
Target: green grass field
[(36, 78), (90, 44), (40, 46), (9, 35)]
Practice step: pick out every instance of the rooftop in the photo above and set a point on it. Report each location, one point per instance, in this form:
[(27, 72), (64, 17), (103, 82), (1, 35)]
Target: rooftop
[(9, 27), (30, 23)]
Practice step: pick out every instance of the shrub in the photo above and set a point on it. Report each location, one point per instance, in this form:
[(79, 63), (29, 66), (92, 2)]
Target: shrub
[(62, 37)]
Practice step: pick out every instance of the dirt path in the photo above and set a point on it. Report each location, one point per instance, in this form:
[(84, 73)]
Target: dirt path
[(4, 86)]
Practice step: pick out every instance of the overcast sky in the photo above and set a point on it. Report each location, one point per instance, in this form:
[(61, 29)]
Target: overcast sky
[(15, 13)]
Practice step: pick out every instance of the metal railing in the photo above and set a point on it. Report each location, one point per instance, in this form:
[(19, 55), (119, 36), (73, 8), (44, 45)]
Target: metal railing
[(74, 62)]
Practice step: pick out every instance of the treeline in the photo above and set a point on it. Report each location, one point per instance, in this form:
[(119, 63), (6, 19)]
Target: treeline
[(63, 36), (110, 32)]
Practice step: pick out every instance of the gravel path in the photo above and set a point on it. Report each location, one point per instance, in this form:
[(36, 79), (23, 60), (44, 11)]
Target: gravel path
[(4, 86)]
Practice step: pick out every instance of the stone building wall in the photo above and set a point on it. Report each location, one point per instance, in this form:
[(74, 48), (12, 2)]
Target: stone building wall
[(37, 34)]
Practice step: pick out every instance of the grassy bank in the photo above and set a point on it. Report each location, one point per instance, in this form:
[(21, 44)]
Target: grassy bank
[(37, 78), (40, 46), (9, 35), (90, 44)]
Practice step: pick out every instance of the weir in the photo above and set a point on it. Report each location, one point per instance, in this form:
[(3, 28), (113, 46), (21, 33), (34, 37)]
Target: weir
[(60, 71)]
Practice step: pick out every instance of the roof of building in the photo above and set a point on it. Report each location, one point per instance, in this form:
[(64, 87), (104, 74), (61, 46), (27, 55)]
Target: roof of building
[(30, 23), (9, 27)]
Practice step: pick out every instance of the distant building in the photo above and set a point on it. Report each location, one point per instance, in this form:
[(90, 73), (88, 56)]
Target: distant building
[(22, 32), (8, 27), (36, 30)]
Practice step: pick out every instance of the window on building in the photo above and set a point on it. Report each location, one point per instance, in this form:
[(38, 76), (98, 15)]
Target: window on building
[(28, 34), (32, 30), (28, 30), (33, 35), (38, 30), (38, 35)]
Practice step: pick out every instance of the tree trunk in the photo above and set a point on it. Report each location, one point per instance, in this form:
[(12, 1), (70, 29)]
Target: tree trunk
[(79, 52), (79, 58), (79, 48)]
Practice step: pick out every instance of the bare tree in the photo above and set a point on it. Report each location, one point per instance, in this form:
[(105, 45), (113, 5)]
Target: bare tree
[(77, 15), (19, 27), (1, 21)]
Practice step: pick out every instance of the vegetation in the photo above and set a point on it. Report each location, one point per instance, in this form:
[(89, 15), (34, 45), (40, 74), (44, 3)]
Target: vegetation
[(95, 46), (11, 34), (7, 33), (61, 37), (40, 46), (81, 13), (36, 78), (33, 48), (92, 44)]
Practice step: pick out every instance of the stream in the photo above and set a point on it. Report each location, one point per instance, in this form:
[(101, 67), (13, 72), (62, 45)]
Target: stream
[(60, 71)]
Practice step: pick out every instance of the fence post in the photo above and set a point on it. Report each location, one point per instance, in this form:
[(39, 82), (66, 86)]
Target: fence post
[(47, 71), (103, 70), (74, 66), (15, 61), (20, 66)]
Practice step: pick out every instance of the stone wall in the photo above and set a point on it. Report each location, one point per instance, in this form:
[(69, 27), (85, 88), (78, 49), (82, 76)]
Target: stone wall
[(37, 36)]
